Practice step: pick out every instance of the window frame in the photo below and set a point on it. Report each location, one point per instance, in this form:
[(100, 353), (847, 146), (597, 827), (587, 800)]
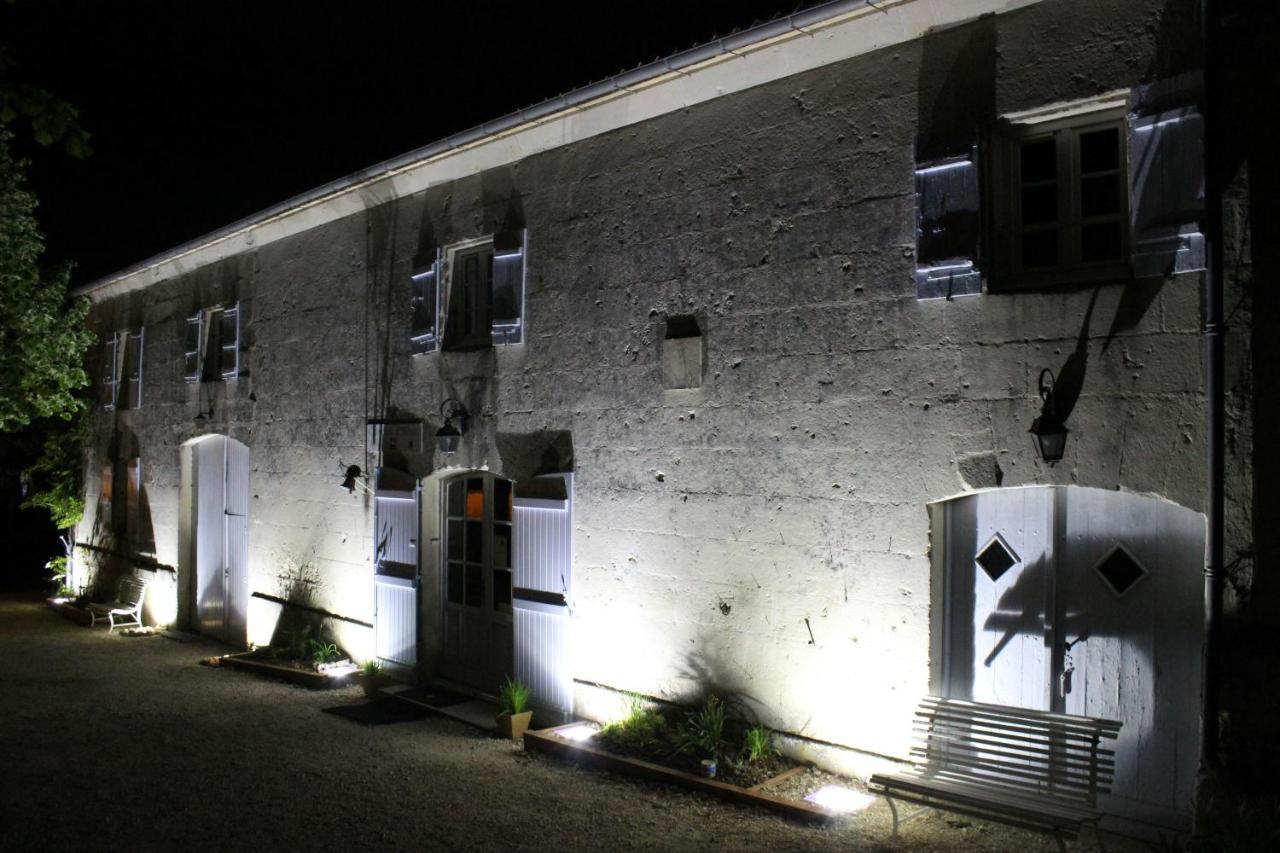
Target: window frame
[(1064, 124)]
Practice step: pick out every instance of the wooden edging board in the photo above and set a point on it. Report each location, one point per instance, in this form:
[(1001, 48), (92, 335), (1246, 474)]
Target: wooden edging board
[(69, 611), (547, 742), (314, 680)]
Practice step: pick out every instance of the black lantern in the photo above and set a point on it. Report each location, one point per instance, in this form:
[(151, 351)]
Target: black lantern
[(350, 478), (447, 436), (1048, 430)]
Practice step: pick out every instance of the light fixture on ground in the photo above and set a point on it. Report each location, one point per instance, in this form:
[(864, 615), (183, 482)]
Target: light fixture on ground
[(1048, 430), (447, 436)]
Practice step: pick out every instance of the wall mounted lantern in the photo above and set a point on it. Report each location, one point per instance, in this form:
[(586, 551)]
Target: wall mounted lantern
[(448, 435), (1048, 430), (351, 480)]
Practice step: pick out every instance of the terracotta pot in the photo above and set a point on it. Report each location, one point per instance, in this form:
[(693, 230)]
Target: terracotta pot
[(514, 725)]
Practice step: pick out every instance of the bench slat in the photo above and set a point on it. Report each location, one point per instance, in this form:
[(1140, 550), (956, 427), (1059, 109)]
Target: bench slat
[(1041, 809), (1027, 775), (977, 710), (1072, 756)]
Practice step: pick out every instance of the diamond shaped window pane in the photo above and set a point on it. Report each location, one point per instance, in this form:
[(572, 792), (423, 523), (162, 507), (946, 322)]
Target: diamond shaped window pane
[(996, 558), (1120, 570)]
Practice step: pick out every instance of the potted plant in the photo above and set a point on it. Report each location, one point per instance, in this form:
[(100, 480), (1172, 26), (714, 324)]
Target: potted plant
[(515, 716), (373, 678)]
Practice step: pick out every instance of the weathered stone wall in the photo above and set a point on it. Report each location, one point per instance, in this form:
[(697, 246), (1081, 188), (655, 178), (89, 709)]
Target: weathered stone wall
[(766, 533)]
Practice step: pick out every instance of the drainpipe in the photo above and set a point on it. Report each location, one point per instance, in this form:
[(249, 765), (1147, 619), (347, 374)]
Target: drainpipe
[(1214, 332)]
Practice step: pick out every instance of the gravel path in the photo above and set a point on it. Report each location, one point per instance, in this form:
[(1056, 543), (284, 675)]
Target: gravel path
[(212, 759)]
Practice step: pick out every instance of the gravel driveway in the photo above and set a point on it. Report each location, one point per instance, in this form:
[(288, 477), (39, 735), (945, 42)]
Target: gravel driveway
[(119, 743)]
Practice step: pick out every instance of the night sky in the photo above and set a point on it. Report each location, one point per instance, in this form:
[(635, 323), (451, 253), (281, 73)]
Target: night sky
[(206, 112)]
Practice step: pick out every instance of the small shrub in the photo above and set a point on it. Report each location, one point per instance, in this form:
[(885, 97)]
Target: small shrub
[(642, 731), (514, 697), (322, 652), (57, 568), (371, 668), (703, 731), (758, 744)]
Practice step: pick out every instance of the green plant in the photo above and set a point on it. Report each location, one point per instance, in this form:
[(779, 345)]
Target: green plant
[(703, 730), (514, 697), (322, 652), (57, 570), (758, 744), (371, 668)]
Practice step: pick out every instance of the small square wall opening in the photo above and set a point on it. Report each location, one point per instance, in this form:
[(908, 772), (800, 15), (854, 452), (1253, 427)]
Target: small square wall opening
[(682, 353)]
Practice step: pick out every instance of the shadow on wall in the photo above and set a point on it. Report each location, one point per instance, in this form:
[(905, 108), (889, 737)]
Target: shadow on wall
[(300, 621)]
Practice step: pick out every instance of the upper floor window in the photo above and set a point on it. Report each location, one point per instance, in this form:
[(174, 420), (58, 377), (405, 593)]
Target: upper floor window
[(1067, 199), (472, 296), (211, 347), (1104, 189)]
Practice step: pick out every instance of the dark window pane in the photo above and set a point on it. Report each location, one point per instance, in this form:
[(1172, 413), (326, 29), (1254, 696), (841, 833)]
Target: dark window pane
[(996, 559), (501, 589), (1121, 570), (1099, 196), (1039, 249), (454, 586), (501, 500), (475, 498), (455, 498), (1039, 204), (1100, 242), (501, 546), (1100, 150), (475, 586), (1039, 161), (474, 531), (454, 535)]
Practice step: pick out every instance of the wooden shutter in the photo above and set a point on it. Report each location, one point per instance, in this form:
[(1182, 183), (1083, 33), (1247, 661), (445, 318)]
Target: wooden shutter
[(1166, 177), (134, 369), (229, 342), (194, 338), (133, 496), (947, 227), (507, 312), (110, 372), (425, 300)]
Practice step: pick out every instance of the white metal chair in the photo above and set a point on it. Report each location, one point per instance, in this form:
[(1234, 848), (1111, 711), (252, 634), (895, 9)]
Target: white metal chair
[(127, 604)]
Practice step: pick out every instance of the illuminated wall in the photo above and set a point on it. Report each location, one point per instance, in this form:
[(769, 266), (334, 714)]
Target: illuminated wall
[(766, 533)]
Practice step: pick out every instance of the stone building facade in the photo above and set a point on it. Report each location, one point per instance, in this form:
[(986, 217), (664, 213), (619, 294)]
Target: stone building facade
[(764, 309)]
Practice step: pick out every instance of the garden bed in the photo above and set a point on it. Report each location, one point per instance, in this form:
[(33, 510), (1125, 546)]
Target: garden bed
[(295, 671), (553, 742)]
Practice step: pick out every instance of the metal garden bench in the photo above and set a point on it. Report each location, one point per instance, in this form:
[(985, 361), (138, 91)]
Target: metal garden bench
[(1031, 769), (127, 604)]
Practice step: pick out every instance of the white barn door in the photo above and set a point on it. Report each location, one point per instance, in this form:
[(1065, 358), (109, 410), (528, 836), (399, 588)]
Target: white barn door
[(395, 577), (1084, 601), (1130, 606), (222, 539), (543, 590)]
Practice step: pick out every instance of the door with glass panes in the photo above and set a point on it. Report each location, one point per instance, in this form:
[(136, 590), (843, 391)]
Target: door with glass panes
[(476, 547)]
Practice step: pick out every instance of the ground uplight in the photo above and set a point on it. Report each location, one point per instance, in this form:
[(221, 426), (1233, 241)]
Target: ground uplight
[(843, 800)]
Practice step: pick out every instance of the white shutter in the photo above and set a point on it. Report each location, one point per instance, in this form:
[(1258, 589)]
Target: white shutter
[(110, 371), (947, 228), (229, 341), (136, 341), (425, 301), (1166, 177), (193, 347), (507, 304), (542, 595)]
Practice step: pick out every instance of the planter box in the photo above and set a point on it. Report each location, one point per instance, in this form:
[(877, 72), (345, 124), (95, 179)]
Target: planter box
[(547, 742), (313, 680)]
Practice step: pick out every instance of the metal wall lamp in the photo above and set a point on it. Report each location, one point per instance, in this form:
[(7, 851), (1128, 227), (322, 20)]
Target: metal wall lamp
[(448, 436), (1048, 430), (351, 480)]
